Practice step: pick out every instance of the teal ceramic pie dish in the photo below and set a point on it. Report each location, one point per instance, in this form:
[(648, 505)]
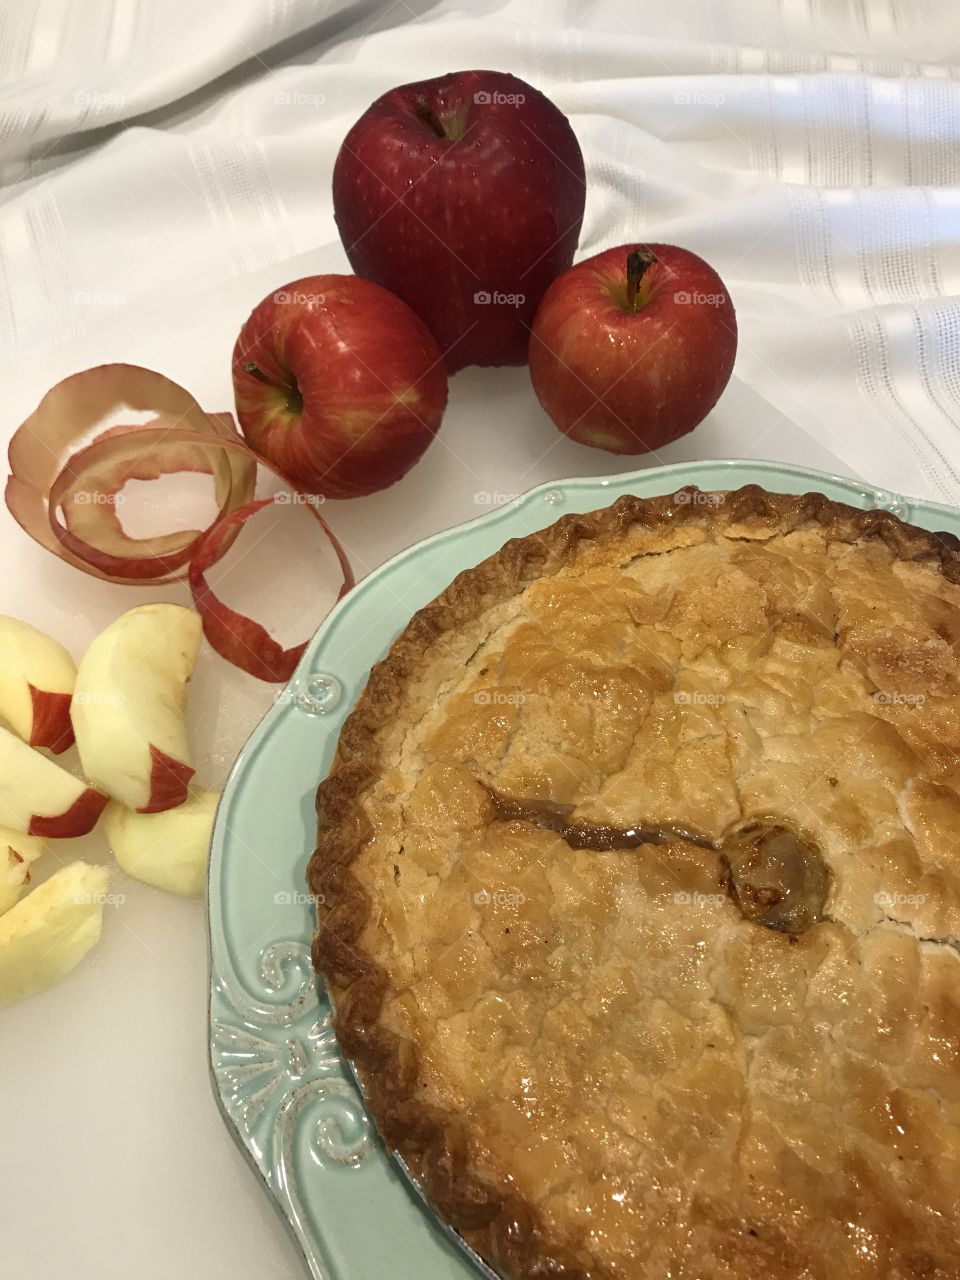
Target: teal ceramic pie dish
[(287, 1097)]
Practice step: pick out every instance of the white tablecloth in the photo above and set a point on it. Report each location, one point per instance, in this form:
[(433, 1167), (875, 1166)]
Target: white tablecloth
[(166, 162), (808, 148)]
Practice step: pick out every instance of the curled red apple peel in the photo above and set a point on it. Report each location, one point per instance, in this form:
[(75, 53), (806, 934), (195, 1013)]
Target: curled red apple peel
[(71, 458), (238, 638)]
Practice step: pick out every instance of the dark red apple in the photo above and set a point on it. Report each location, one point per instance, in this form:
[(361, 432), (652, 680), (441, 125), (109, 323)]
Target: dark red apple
[(632, 348), (464, 196), (338, 383)]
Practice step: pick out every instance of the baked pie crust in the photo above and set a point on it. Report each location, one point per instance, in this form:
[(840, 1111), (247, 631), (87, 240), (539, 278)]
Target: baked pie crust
[(639, 871)]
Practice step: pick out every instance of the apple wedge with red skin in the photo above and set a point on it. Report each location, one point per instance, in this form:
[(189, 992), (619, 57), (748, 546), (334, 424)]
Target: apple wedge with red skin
[(39, 798), (339, 384), (632, 348), (129, 706), (464, 195), (37, 676)]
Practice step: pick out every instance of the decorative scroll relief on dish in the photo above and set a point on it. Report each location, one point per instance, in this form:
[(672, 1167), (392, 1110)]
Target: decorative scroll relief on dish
[(341, 1130), (279, 1071), (288, 986), (317, 696)]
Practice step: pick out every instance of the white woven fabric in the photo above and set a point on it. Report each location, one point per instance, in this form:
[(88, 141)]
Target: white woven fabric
[(808, 148)]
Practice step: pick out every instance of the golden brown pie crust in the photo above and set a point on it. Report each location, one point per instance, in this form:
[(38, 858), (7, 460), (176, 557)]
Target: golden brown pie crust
[(778, 1194)]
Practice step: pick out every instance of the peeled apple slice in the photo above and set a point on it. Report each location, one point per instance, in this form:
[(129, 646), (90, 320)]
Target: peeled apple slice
[(48, 932), (17, 854), (167, 849), (130, 704), (37, 676)]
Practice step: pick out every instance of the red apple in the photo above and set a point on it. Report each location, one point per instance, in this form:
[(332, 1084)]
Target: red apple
[(339, 384), (632, 348), (464, 196)]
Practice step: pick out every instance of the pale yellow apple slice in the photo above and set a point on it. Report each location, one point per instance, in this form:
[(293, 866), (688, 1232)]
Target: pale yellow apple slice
[(37, 676), (129, 706), (18, 852), (48, 932), (167, 849), (39, 798)]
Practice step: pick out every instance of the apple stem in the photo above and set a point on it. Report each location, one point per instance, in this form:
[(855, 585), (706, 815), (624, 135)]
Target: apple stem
[(429, 117), (638, 260), (255, 371), (294, 398)]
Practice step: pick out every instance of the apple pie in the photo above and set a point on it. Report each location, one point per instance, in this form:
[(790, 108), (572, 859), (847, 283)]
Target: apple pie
[(639, 873)]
